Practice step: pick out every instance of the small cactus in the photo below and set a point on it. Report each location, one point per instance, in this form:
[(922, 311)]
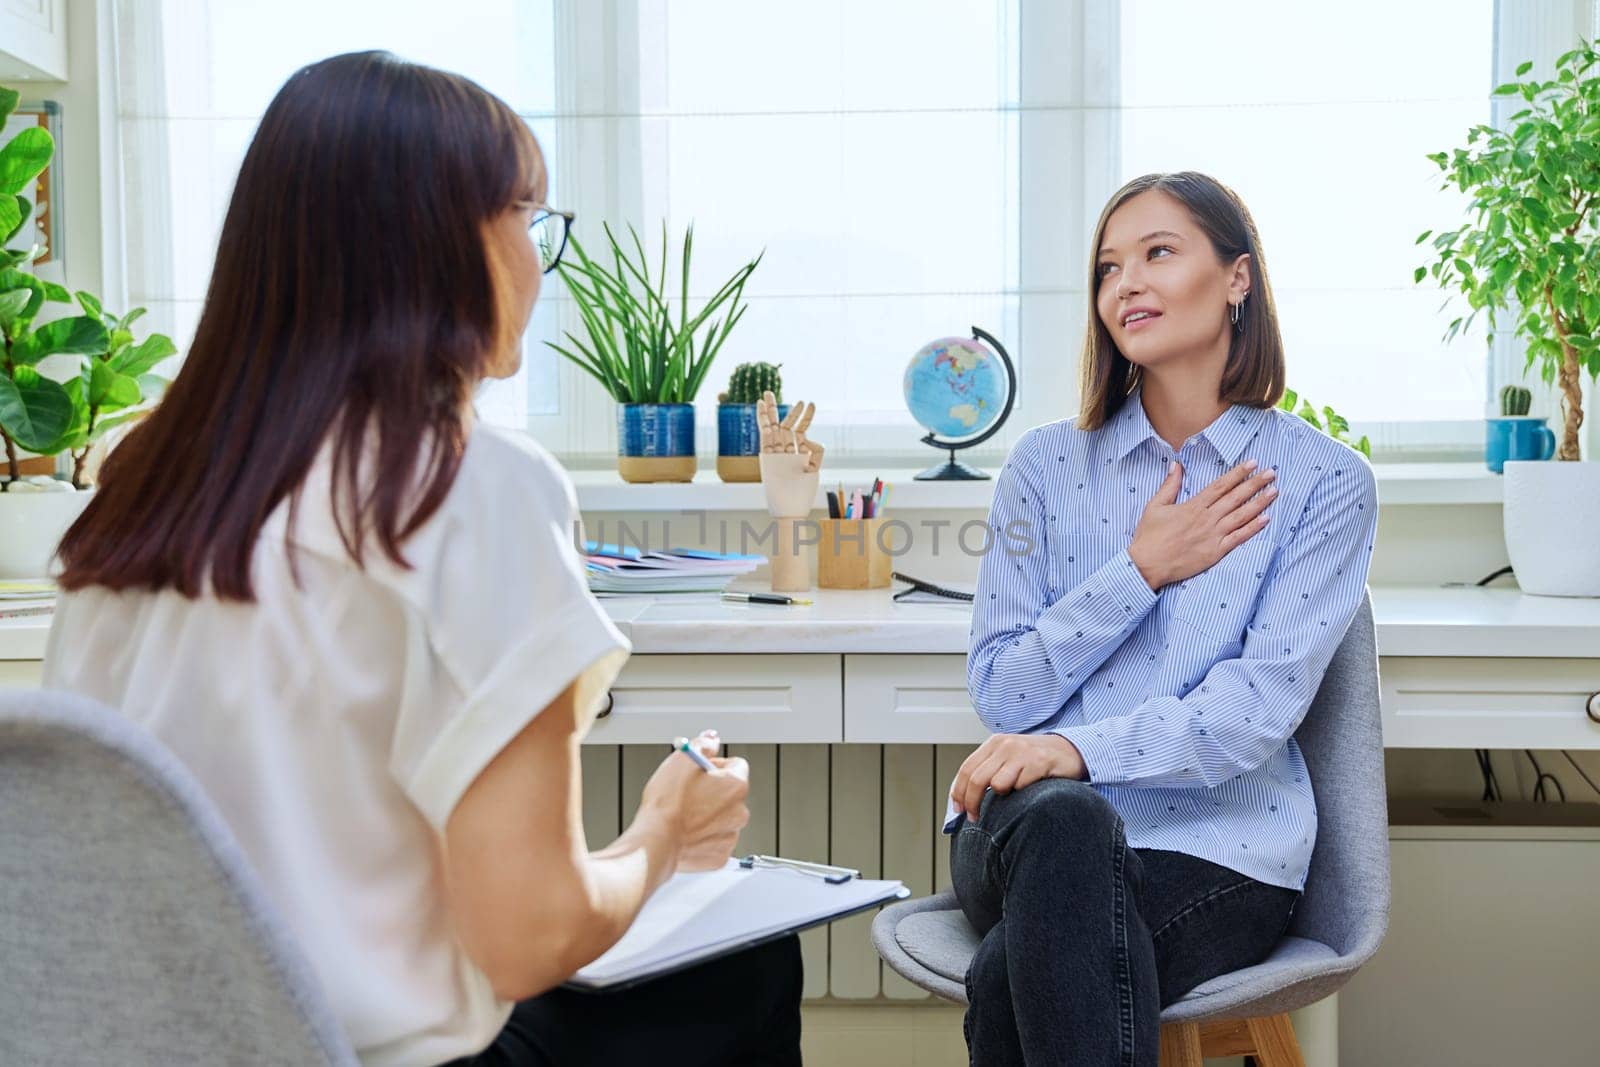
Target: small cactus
[(750, 380), (1515, 400)]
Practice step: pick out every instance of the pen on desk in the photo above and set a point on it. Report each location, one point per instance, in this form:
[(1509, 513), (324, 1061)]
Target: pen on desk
[(683, 745), (763, 598)]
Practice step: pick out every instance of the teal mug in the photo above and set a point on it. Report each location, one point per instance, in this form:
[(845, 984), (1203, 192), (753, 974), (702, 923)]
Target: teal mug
[(1517, 437)]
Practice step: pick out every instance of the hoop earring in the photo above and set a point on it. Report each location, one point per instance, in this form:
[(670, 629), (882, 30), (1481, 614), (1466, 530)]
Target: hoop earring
[(1236, 312)]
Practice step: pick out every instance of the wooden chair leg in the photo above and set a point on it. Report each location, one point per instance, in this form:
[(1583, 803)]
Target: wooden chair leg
[(1273, 1037), (1180, 1045)]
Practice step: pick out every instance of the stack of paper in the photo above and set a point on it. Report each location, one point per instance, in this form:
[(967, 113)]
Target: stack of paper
[(620, 569), (26, 597)]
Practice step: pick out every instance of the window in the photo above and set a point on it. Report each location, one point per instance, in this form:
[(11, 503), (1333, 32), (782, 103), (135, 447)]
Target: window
[(194, 79), (912, 168), (1319, 117)]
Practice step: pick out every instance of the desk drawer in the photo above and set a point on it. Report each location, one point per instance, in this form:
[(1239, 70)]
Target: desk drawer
[(749, 699), (1460, 702), (910, 699)]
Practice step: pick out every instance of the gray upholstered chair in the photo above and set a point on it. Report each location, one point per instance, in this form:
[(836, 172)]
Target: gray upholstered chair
[(1336, 927), (132, 931)]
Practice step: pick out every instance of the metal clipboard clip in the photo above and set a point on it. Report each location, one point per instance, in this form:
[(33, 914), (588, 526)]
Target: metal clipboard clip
[(828, 873)]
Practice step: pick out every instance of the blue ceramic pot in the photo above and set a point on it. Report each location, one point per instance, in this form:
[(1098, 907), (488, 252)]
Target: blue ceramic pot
[(738, 432), (1517, 437), (650, 430)]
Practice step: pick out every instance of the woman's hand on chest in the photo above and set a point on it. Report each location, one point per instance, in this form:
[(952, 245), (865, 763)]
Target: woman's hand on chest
[(1175, 541)]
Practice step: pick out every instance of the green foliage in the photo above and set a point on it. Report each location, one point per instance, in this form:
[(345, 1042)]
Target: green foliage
[(638, 347), (1533, 241), (1327, 420), (1515, 400), (111, 381), (750, 380)]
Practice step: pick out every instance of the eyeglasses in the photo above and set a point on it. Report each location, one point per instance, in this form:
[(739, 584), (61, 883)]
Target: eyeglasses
[(549, 229)]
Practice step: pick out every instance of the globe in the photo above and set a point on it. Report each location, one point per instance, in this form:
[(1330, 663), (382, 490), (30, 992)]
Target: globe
[(960, 391), (954, 387)]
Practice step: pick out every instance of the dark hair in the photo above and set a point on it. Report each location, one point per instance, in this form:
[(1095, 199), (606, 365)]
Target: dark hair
[(1254, 374), (352, 296)]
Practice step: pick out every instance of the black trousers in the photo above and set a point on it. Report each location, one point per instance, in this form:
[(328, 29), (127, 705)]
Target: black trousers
[(740, 1010)]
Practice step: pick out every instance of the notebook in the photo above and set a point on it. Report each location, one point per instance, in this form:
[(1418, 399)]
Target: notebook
[(700, 916)]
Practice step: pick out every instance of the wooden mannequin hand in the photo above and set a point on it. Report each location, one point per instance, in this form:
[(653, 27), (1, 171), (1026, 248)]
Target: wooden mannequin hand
[(790, 464), (790, 434)]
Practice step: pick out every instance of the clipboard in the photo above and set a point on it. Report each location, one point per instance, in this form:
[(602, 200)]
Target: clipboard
[(702, 916)]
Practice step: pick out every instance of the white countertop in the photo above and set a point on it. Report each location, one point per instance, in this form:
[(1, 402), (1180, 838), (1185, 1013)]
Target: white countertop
[(604, 490), (1412, 621)]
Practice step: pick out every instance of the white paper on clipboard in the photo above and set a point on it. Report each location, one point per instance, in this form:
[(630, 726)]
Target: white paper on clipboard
[(696, 917)]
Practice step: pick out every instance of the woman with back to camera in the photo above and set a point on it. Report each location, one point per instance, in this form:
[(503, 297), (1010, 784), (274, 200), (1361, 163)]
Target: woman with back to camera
[(1144, 645), (358, 617)]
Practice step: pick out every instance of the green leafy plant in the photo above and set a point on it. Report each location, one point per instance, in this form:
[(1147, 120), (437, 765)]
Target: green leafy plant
[(112, 382), (1535, 233), (638, 346), (1515, 400), (1327, 420), (750, 380)]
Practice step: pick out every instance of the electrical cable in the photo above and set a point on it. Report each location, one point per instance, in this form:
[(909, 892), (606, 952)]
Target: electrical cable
[(1491, 784), (1539, 793), (1489, 578)]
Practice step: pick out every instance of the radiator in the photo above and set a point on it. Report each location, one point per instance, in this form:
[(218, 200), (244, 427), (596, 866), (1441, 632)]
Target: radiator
[(872, 807)]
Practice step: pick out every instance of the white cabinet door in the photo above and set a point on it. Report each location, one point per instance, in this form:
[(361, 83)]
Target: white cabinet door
[(908, 700), (33, 40), (749, 699), (1461, 702)]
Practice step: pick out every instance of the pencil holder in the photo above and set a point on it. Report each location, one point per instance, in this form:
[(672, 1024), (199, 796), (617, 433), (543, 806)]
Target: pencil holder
[(850, 555)]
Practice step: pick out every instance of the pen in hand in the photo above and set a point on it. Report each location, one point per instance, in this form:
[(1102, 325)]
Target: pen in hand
[(683, 744)]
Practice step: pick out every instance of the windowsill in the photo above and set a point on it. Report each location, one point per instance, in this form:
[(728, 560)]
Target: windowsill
[(604, 490)]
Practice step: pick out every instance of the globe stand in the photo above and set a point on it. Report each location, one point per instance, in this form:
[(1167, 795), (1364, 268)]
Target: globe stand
[(953, 470)]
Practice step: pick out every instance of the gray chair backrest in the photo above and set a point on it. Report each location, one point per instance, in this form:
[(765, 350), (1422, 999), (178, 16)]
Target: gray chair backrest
[(1346, 902), (132, 930)]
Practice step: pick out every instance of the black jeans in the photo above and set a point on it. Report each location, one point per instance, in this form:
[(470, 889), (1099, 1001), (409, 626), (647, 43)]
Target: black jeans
[(1086, 939), (741, 1010)]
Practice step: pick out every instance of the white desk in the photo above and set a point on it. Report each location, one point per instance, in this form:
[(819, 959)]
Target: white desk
[(1461, 668)]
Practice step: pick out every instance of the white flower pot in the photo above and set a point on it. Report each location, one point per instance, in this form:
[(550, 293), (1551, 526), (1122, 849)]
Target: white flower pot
[(31, 525), (1552, 526)]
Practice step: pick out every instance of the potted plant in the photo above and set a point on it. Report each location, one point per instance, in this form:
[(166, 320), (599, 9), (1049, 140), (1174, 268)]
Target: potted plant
[(1532, 247), (108, 379), (738, 434), (1330, 421), (649, 355)]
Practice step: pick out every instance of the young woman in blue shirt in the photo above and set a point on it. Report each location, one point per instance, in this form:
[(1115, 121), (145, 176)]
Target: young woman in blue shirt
[(1173, 570)]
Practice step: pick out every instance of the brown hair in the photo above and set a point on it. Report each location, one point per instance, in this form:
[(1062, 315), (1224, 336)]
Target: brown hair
[(352, 300), (1254, 374)]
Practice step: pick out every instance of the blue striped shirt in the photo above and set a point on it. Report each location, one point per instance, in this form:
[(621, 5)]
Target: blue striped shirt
[(1182, 702)]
